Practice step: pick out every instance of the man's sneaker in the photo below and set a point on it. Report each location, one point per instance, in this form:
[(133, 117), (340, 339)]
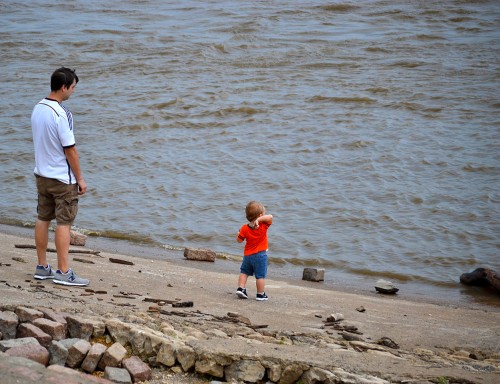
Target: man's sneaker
[(69, 278), (242, 293), (261, 297), (42, 273)]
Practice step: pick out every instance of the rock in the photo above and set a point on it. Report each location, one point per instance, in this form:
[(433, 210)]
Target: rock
[(313, 274), (56, 330), (351, 337), (384, 286), (139, 370), (58, 317), (30, 330), (273, 371), (28, 314), (361, 309), (58, 353), (117, 375), (388, 343), (334, 317), (166, 354), (68, 343), (113, 356), (58, 374), (199, 254), (8, 324), (77, 238), (291, 373), (79, 328), (317, 375), (77, 353), (245, 370), (186, 356), (5, 345), (33, 352), (119, 330), (210, 367), (482, 277), (93, 357)]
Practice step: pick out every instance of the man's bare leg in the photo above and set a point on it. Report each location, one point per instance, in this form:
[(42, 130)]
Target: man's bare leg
[(41, 241), (62, 240)]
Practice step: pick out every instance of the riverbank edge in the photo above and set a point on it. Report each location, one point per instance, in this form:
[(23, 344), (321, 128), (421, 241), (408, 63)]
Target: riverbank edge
[(296, 308)]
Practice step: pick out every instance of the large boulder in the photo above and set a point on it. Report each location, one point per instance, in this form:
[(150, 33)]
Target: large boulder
[(482, 277)]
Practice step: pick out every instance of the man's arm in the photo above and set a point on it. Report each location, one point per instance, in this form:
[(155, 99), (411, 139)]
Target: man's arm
[(74, 162)]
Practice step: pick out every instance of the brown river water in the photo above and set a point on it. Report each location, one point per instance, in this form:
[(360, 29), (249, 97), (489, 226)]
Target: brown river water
[(369, 129)]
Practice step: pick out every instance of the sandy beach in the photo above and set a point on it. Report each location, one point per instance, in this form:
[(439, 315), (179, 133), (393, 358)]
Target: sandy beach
[(463, 341)]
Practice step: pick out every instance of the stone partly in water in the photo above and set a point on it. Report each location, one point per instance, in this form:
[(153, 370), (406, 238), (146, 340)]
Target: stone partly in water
[(199, 254), (482, 277), (77, 238), (384, 286), (313, 274)]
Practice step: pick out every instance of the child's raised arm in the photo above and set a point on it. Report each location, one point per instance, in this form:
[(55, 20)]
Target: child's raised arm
[(265, 219)]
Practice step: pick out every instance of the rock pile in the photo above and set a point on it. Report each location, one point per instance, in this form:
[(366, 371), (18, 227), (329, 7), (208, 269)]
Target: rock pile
[(127, 347), (126, 351)]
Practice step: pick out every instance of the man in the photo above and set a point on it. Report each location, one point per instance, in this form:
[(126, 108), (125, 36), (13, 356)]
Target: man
[(59, 179)]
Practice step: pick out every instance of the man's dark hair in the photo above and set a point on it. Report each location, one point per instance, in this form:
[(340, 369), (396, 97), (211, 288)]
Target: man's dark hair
[(62, 76)]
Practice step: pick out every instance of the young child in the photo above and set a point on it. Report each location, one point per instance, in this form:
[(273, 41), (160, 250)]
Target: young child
[(255, 253)]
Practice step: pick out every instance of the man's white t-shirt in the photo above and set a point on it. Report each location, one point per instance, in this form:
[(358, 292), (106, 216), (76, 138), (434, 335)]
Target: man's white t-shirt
[(52, 126)]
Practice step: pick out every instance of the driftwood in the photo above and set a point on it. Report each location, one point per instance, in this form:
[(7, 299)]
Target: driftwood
[(151, 300), (82, 251), (120, 261), (83, 260), (182, 304)]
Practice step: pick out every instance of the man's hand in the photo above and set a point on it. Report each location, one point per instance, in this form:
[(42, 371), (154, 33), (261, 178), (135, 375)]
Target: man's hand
[(82, 187)]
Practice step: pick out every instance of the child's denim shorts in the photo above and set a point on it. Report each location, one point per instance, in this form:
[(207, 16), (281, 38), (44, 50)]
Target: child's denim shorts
[(256, 263)]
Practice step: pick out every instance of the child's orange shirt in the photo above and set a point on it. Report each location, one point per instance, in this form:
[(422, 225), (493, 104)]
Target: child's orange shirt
[(256, 239)]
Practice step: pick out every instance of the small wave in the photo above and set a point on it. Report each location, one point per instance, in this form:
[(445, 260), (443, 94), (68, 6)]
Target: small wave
[(303, 262), (447, 283), (246, 110), (220, 48), (347, 65), (461, 19), (165, 104), (362, 100), (357, 144), (378, 90), (471, 168), (339, 7), (377, 49), (416, 200), (410, 106), (429, 37), (386, 274), (407, 64), (134, 238), (103, 31)]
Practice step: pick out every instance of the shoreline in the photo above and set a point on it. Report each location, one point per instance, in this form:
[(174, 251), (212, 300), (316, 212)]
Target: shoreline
[(448, 333), (460, 295)]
